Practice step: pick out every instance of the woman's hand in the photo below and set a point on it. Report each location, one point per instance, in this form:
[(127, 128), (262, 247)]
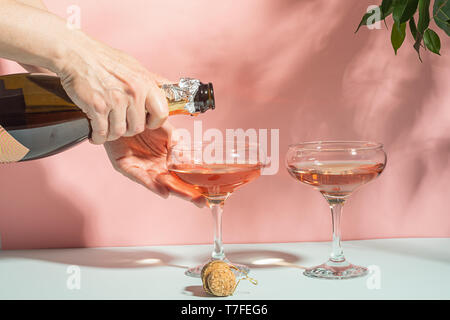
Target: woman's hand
[(112, 88), (142, 158), (119, 95)]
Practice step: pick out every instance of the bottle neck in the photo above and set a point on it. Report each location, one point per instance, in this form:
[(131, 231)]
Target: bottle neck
[(34, 100), (189, 96), (204, 98)]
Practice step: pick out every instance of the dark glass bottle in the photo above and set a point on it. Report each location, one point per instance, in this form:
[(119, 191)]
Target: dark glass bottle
[(38, 119)]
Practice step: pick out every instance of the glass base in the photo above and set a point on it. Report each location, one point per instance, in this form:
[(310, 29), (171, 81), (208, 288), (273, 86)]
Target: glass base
[(336, 271), (196, 272)]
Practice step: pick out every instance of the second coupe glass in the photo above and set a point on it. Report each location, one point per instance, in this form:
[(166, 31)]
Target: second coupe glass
[(336, 169)]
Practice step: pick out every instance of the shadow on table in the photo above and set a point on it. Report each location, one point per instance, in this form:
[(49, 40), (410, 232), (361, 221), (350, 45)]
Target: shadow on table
[(256, 259), (197, 291), (96, 257)]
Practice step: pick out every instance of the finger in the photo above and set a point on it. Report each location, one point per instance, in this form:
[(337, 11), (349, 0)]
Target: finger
[(167, 130), (99, 125), (117, 123), (156, 105), (160, 139), (136, 116), (142, 177), (136, 119), (173, 137), (181, 189), (161, 80)]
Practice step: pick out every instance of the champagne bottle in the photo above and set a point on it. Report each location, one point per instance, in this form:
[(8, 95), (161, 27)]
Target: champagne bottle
[(38, 119)]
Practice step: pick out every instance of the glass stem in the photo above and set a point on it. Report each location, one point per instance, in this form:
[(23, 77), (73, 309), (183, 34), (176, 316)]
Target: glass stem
[(337, 254), (217, 209)]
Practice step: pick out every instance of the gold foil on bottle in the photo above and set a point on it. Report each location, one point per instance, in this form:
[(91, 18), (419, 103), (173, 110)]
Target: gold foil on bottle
[(184, 91), (11, 150)]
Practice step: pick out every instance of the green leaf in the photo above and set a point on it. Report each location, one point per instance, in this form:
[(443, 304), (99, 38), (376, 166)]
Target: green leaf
[(384, 14), (399, 8), (441, 15), (432, 41), (410, 10), (404, 10), (424, 16), (386, 6), (398, 36), (364, 20), (413, 27)]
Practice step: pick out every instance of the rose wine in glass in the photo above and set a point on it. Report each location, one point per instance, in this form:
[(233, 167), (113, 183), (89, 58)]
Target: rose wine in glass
[(216, 180), (216, 176), (336, 169)]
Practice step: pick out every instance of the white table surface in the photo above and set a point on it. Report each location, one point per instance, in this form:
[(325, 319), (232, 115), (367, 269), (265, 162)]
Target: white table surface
[(403, 269)]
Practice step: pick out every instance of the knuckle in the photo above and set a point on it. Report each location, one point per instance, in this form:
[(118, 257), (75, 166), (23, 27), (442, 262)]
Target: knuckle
[(101, 108), (134, 89), (157, 121), (139, 129), (117, 96), (99, 105), (120, 130), (101, 132), (164, 117), (163, 111)]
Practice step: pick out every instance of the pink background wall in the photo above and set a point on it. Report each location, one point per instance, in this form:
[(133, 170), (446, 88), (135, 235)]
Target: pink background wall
[(294, 65)]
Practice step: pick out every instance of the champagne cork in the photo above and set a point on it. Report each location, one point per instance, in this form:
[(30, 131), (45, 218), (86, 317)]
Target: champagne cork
[(218, 278)]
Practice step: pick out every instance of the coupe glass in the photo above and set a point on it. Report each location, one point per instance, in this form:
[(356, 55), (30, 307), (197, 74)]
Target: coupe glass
[(216, 169), (336, 169)]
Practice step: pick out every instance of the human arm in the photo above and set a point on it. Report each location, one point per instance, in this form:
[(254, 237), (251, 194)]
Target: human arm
[(118, 95)]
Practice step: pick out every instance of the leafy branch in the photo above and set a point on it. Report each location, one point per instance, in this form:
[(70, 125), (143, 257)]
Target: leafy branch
[(403, 12)]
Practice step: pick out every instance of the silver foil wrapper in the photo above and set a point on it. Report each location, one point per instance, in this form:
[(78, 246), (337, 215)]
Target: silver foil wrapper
[(185, 90)]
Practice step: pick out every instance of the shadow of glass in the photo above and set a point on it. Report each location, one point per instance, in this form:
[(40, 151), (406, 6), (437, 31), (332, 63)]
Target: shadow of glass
[(97, 257), (256, 259), (197, 291)]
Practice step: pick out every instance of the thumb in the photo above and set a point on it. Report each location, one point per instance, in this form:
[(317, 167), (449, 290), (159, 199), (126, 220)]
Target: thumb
[(160, 80)]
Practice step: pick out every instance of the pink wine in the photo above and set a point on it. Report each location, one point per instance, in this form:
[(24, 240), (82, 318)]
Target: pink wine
[(336, 178), (216, 179)]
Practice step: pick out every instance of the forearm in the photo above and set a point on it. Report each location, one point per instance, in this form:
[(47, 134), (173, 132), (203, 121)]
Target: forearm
[(34, 3), (37, 4), (33, 36)]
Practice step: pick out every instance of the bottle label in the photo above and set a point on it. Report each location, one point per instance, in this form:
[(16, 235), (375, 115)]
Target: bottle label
[(11, 150)]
